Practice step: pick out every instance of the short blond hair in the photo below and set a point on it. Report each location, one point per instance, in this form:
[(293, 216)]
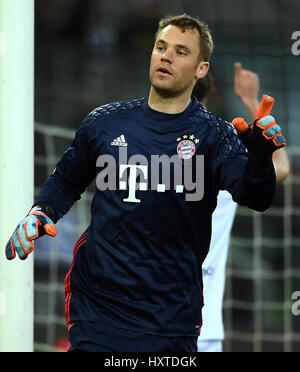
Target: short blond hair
[(186, 22)]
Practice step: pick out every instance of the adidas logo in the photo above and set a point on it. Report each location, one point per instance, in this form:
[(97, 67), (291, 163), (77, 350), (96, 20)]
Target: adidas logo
[(120, 141)]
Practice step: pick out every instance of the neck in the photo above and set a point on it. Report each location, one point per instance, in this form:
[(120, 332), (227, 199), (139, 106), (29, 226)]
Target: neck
[(168, 105)]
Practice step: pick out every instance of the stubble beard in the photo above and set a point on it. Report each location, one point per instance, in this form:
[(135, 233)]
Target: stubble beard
[(169, 91)]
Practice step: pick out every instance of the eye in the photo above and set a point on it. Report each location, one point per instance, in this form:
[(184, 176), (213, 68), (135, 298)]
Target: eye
[(160, 48), (181, 53)]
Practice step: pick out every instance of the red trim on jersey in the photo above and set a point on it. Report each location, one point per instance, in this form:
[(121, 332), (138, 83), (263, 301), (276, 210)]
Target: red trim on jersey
[(68, 293), (68, 347), (70, 326)]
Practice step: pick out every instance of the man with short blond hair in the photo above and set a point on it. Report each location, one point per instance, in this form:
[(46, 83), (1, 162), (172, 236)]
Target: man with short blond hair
[(135, 283)]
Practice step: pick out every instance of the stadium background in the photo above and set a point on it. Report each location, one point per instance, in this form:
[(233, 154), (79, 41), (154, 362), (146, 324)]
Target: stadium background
[(91, 52)]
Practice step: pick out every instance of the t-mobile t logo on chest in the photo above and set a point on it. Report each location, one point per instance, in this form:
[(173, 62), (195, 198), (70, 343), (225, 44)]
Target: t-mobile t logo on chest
[(163, 174)]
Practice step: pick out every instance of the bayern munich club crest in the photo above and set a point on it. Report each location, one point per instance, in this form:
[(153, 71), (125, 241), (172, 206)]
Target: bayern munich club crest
[(186, 149)]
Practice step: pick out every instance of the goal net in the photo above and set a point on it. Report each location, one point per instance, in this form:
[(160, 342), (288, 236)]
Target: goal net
[(53, 257), (263, 274)]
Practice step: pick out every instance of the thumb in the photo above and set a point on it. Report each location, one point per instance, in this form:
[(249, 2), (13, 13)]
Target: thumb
[(238, 68), (240, 125), (50, 229)]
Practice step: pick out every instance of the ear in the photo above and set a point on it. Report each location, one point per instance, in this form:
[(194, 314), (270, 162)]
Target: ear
[(202, 70)]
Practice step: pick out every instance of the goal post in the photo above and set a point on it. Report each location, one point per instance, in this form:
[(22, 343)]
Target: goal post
[(16, 168)]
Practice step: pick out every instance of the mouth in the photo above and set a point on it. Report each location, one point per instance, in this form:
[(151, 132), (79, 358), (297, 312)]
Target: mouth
[(162, 71)]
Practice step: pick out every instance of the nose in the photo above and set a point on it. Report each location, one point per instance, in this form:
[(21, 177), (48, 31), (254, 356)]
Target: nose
[(167, 56)]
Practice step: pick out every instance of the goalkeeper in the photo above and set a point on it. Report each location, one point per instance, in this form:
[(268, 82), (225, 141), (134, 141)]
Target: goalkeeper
[(135, 283)]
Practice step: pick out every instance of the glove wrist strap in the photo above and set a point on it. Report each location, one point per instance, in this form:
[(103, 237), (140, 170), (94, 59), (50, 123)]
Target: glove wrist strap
[(47, 209)]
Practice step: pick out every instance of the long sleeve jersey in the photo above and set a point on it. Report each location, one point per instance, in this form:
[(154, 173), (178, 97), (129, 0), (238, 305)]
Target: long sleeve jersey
[(139, 264)]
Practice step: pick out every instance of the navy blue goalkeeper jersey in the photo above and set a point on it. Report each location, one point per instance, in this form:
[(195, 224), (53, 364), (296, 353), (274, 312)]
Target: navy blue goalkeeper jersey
[(139, 264)]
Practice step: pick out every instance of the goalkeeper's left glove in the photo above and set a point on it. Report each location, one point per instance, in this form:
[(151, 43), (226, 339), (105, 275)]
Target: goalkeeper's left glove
[(263, 137), (35, 225)]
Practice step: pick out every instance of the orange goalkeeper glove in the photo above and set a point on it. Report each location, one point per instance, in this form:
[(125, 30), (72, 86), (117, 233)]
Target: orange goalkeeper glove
[(35, 225), (264, 136)]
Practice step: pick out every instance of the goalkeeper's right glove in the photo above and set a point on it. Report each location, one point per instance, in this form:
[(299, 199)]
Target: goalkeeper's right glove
[(35, 225)]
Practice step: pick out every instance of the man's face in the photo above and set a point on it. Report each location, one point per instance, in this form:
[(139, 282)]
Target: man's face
[(175, 65)]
